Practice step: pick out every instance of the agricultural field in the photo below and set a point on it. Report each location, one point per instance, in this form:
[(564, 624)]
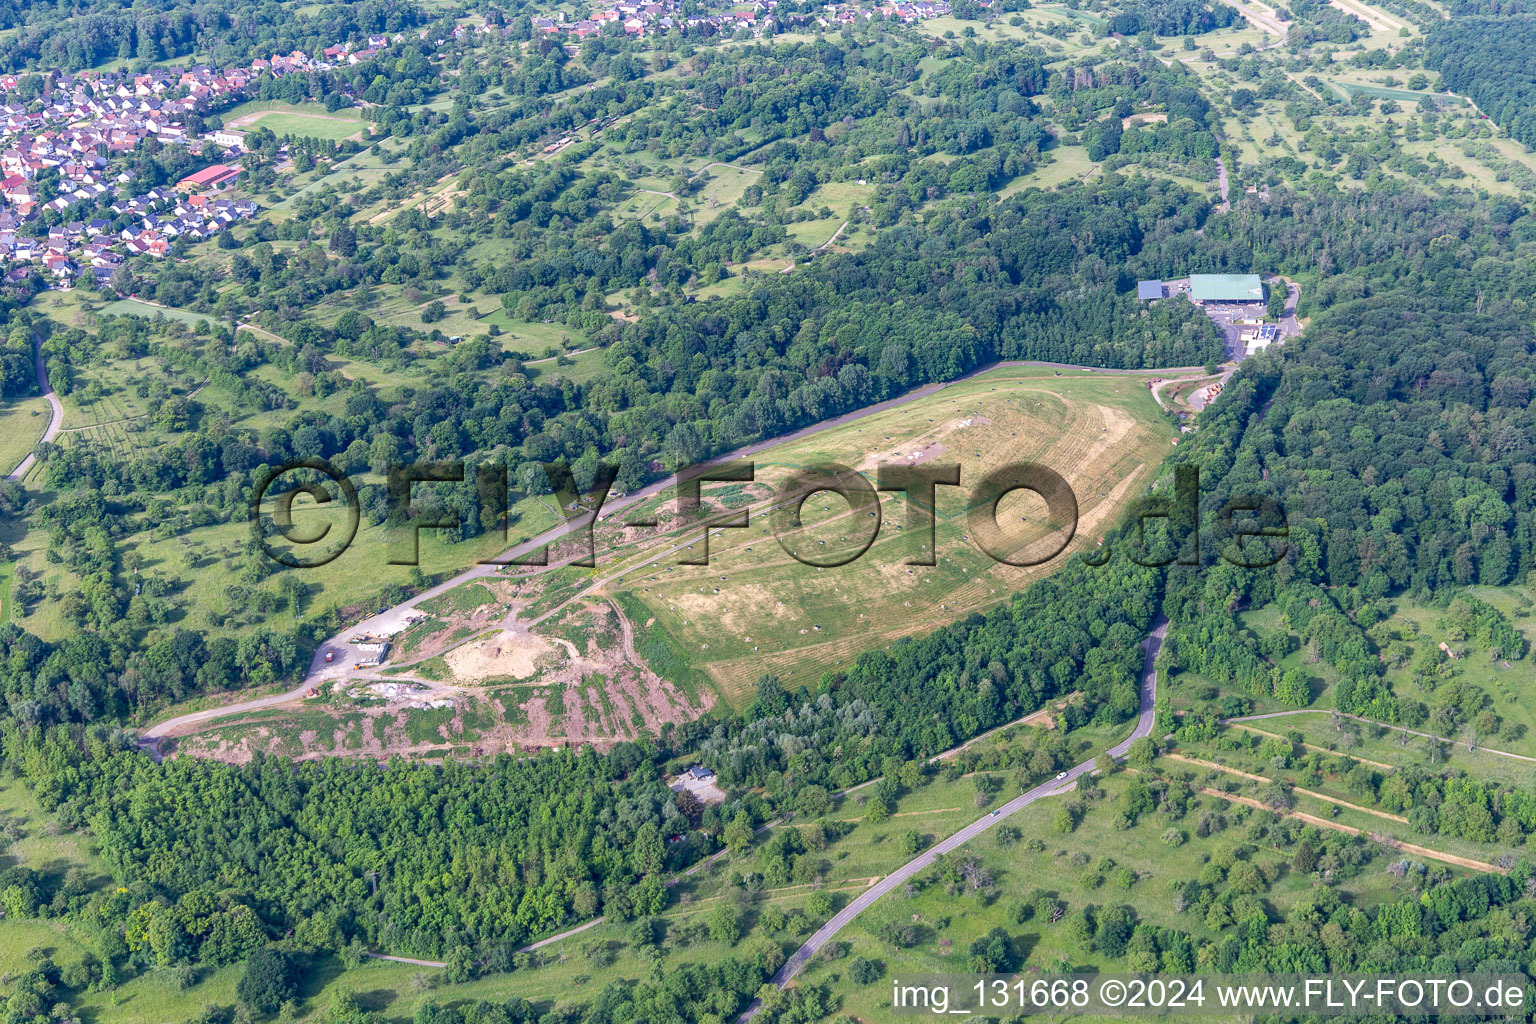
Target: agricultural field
[(1351, 89)]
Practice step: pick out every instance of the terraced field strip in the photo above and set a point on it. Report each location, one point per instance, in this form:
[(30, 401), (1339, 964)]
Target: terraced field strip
[(1339, 826), (1314, 794), (1321, 750), (1384, 92)]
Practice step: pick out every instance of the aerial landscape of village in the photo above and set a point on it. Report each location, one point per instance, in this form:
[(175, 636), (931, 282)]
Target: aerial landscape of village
[(707, 511)]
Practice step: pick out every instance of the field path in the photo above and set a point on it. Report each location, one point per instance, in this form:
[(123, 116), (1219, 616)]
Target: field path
[(406, 960), (717, 163), (1321, 750), (55, 408), (834, 238), (1259, 20)]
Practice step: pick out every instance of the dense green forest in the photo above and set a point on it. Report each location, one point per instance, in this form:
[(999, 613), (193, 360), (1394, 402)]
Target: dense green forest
[(1489, 60), (530, 845)]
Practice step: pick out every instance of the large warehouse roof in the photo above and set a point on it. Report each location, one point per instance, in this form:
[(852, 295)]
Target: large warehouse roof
[(1226, 288)]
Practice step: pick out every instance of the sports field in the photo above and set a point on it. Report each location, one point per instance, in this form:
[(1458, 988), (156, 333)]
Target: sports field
[(301, 120)]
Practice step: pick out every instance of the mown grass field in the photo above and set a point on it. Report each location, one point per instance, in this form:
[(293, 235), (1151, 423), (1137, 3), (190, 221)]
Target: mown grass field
[(309, 120), (756, 609), (1382, 92), (1067, 163), (133, 307), (22, 422)]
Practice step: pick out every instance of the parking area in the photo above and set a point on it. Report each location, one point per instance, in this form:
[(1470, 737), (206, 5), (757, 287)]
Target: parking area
[(1233, 319)]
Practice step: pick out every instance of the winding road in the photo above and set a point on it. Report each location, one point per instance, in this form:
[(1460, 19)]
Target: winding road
[(56, 409), (827, 932), (150, 736)]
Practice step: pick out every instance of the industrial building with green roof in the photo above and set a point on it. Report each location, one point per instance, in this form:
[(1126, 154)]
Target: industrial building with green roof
[(1226, 288)]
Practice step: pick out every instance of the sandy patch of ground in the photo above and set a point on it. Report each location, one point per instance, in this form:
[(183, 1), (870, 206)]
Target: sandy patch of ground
[(913, 451), (507, 653), (912, 454), (707, 792), (753, 603)]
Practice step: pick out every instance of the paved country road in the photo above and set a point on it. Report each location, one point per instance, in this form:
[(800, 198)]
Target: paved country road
[(862, 902), (56, 409)]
